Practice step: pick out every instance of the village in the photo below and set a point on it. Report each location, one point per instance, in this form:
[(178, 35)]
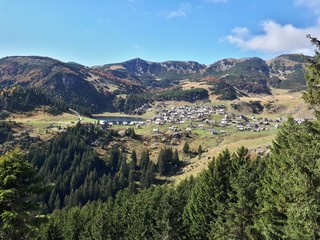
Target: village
[(214, 119)]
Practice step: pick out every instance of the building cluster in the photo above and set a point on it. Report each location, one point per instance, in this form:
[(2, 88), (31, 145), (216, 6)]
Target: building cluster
[(189, 118), (201, 117), (183, 114)]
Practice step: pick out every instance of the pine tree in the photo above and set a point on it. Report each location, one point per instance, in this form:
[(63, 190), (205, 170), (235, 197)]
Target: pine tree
[(133, 158), (162, 164), (238, 220), (312, 95), (120, 159), (144, 162), (210, 197), (186, 148), (148, 176), (289, 196), (132, 176), (57, 202), (175, 157), (175, 161), (52, 232), (131, 180), (19, 186), (52, 199), (200, 150), (168, 153), (75, 223), (109, 187), (124, 169), (113, 159)]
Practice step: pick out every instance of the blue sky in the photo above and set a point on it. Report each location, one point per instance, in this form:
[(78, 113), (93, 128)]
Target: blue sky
[(97, 32)]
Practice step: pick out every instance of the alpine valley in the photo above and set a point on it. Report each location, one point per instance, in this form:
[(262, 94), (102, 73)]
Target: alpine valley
[(158, 150)]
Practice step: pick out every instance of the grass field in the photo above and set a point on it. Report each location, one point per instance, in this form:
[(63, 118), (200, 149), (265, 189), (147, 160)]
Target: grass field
[(39, 121)]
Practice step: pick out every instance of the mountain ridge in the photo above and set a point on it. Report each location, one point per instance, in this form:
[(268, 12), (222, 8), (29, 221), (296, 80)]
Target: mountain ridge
[(251, 74), (96, 87)]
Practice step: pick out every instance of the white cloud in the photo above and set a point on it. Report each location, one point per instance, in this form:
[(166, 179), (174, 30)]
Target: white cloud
[(241, 31), (314, 5), (181, 11), (276, 38)]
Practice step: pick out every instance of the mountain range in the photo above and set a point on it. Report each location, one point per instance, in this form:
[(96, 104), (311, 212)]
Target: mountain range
[(96, 87)]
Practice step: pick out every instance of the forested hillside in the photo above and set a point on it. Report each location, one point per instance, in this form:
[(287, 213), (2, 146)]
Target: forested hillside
[(135, 101), (81, 175), (63, 81), (26, 99), (274, 197)]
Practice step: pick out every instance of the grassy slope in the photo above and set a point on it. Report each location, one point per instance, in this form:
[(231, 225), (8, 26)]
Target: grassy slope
[(38, 123), (232, 142), (292, 101)]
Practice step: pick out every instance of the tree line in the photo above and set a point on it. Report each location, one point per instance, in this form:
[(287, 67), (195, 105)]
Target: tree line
[(134, 101)]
